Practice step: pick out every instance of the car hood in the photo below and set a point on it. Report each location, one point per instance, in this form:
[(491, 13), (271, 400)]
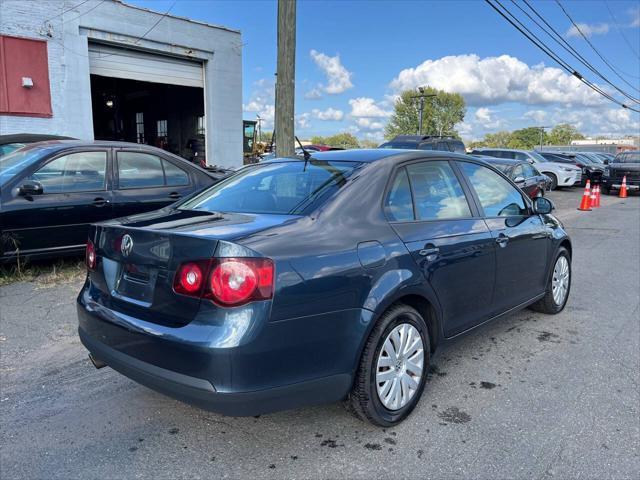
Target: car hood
[(198, 223)]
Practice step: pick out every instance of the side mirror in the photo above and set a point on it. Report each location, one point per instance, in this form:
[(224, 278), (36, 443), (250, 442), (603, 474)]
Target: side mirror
[(530, 160), (519, 179), (606, 161), (30, 188), (542, 205)]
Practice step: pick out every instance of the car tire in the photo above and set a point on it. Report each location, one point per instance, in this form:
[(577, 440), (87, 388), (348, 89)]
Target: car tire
[(367, 399), (554, 180), (551, 303)]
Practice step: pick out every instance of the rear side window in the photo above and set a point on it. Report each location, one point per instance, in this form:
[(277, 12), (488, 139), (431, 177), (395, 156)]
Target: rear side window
[(76, 172), (529, 171), (139, 170), (437, 193), (398, 203), (497, 196), (174, 176)]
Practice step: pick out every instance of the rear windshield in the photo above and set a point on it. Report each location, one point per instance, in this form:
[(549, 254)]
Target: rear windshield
[(284, 188), (504, 168), (627, 157)]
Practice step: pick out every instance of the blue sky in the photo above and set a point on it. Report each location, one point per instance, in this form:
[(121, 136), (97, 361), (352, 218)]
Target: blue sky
[(353, 57)]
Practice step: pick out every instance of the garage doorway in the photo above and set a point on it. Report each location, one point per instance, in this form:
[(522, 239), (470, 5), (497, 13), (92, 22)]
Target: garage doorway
[(146, 98)]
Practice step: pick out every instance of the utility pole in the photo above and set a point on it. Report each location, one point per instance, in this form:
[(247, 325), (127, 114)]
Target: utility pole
[(285, 80), (542, 129), (422, 96)]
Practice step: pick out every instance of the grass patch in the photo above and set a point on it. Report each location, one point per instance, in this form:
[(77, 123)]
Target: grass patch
[(45, 272)]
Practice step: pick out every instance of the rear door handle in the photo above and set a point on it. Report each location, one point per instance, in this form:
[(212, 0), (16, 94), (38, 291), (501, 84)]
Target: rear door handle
[(100, 202), (502, 240), (430, 252), (174, 195)]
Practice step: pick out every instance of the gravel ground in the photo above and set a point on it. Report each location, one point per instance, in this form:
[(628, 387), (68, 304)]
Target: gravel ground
[(526, 396)]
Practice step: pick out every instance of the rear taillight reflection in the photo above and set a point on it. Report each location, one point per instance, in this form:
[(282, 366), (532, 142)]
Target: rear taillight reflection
[(230, 281), (90, 258)]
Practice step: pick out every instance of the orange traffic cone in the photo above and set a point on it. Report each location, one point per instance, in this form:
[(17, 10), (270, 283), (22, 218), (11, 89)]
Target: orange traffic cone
[(597, 204), (592, 197), (585, 204), (623, 188)]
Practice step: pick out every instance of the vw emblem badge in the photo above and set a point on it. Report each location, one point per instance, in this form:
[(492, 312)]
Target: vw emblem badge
[(126, 245)]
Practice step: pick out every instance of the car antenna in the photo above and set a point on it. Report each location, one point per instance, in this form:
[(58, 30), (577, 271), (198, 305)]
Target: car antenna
[(305, 153)]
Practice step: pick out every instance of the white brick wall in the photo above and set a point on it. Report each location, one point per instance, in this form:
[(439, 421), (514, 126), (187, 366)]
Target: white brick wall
[(111, 20), (23, 18)]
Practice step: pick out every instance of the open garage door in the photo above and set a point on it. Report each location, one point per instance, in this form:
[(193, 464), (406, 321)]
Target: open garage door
[(114, 62), (147, 98)]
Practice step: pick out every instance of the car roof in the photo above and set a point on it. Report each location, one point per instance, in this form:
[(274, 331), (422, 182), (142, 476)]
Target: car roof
[(57, 145), (502, 161), (370, 155), (29, 138), (496, 149)]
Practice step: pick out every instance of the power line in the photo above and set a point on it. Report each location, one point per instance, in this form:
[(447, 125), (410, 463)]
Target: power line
[(591, 44), (567, 46), (615, 24), (65, 11), (542, 46), (85, 12)]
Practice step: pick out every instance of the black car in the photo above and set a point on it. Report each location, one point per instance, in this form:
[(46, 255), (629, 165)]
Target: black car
[(523, 174), (426, 142), (625, 164), (11, 143), (52, 191), (591, 168), (297, 282)]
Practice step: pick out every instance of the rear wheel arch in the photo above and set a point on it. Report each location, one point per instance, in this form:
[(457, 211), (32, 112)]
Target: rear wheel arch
[(566, 244), (427, 312)]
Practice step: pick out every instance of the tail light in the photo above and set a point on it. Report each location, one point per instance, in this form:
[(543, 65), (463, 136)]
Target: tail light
[(90, 257), (229, 281)]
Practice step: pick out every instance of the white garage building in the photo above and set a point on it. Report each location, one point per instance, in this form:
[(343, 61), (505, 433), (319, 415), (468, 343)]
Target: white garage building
[(104, 69)]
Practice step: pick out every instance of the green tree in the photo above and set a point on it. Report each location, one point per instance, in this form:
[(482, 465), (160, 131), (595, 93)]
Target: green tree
[(498, 139), (527, 138), (366, 143), (563, 133), (342, 140), (440, 115)]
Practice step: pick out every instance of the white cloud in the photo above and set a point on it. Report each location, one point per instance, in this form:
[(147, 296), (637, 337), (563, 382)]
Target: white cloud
[(368, 124), (635, 14), (367, 107), (483, 114), (495, 80), (303, 120), (328, 114), (313, 94), (261, 102), (538, 116), (587, 30), (338, 77)]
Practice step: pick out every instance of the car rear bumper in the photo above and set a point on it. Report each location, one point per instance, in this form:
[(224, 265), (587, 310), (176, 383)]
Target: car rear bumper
[(616, 184), (202, 393), (224, 367)]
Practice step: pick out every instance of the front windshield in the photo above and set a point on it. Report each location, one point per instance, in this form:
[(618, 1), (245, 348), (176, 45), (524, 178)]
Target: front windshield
[(538, 157), (20, 159), (628, 157), (284, 188)]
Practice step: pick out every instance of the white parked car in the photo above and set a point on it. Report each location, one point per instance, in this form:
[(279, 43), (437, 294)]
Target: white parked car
[(561, 174)]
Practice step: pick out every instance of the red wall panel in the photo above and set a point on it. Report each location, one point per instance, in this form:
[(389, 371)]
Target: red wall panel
[(24, 57)]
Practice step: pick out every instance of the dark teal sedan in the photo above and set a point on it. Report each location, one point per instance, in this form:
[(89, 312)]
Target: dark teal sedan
[(297, 282)]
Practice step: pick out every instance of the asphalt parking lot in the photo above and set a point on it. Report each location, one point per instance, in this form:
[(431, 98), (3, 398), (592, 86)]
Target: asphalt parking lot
[(529, 396)]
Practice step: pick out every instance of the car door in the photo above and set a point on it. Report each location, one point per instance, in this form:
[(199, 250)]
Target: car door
[(521, 237), (430, 211), (145, 182), (522, 179), (538, 181), (75, 193)]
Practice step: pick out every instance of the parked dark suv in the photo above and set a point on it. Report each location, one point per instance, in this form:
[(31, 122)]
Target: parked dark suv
[(426, 142), (297, 282), (625, 164)]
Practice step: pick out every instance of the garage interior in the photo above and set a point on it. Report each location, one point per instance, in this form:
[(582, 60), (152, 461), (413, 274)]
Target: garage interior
[(146, 98)]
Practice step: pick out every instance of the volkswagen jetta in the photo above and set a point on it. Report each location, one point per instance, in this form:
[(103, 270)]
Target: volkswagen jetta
[(299, 282)]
